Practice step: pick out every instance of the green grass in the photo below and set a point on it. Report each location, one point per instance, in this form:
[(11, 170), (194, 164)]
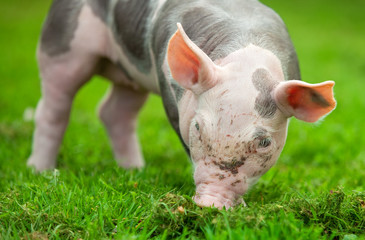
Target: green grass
[(315, 191)]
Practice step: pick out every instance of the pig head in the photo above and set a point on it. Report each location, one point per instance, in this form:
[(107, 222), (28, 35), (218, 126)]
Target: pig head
[(234, 114)]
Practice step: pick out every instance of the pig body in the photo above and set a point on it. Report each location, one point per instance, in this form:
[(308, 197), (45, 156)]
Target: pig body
[(220, 68)]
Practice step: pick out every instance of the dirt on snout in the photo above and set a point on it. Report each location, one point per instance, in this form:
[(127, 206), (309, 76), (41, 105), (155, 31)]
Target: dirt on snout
[(231, 166)]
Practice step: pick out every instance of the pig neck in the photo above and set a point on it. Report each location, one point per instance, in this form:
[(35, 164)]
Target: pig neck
[(244, 62)]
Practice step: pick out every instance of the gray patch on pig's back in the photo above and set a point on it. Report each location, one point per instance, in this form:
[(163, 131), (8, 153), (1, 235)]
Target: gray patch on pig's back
[(164, 27), (211, 31), (100, 8), (60, 26), (293, 67), (264, 83), (210, 28), (130, 19)]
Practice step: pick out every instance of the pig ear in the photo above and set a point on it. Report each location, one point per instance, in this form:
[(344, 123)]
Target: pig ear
[(189, 65), (307, 102)]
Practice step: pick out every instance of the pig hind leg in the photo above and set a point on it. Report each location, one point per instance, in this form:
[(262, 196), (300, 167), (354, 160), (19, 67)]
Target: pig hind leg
[(62, 76), (65, 65), (119, 114)]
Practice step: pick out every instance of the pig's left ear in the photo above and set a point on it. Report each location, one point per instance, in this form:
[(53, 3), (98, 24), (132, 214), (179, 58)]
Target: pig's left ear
[(189, 65), (307, 102)]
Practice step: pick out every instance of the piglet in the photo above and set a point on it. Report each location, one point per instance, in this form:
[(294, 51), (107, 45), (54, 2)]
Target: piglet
[(227, 73)]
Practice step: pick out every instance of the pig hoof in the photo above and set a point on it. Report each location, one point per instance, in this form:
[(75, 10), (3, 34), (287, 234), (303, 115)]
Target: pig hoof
[(40, 166)]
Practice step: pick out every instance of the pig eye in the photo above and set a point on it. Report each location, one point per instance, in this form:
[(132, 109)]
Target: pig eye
[(197, 126), (264, 143)]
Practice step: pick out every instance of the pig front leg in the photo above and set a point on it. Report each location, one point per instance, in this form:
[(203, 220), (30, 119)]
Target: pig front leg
[(62, 76), (119, 114)]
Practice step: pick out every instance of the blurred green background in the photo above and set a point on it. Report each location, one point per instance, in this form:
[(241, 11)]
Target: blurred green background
[(329, 37)]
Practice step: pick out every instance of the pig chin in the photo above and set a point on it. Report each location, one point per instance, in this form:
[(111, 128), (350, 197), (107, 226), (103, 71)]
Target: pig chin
[(218, 189)]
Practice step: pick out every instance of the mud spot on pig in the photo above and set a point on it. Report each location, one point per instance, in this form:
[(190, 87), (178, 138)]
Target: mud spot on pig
[(258, 173), (250, 149), (265, 161), (231, 166), (220, 176), (210, 148), (224, 92), (267, 158), (264, 83), (235, 183)]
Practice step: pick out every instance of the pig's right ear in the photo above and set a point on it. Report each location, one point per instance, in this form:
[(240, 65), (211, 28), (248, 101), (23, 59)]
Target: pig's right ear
[(189, 65), (307, 102)]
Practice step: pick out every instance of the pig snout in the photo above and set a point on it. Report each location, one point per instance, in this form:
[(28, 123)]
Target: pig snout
[(215, 188), (210, 196)]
